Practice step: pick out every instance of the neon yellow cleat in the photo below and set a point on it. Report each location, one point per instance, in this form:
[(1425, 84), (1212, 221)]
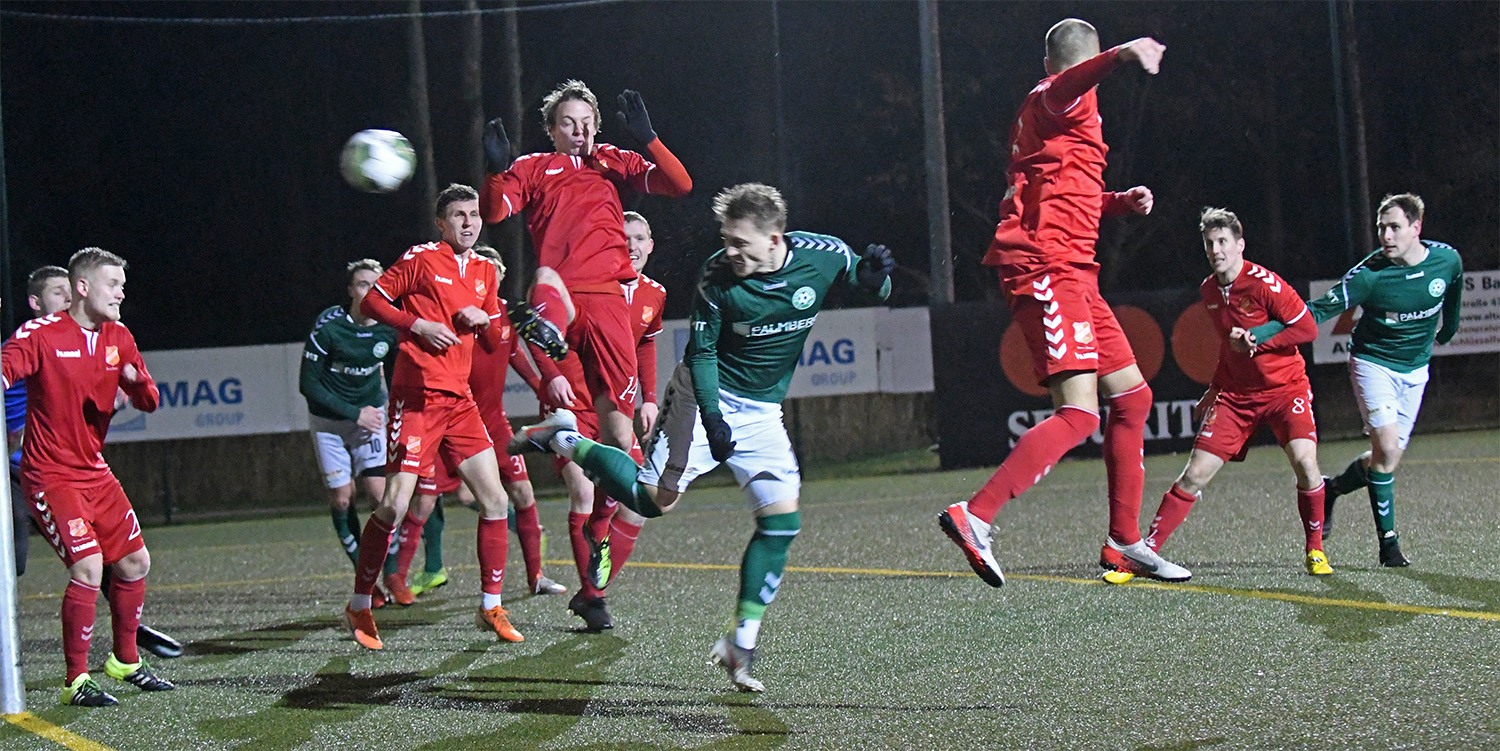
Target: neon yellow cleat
[(137, 674), (1117, 577), (1317, 563), (85, 692), (428, 581)]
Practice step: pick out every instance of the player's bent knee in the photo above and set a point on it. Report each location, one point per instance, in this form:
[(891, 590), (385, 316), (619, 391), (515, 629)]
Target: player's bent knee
[(134, 566), (88, 570)]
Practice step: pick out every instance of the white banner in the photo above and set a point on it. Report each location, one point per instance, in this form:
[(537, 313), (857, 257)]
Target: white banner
[(1478, 321), (214, 392)]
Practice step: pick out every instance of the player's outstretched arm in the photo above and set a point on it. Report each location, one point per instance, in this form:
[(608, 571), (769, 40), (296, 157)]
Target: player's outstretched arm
[(1077, 80), (1145, 51), (1137, 200), (872, 272), (504, 190), (667, 176)]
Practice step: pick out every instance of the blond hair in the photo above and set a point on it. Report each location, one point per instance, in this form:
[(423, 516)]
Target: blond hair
[(760, 203), (88, 259), (570, 90)]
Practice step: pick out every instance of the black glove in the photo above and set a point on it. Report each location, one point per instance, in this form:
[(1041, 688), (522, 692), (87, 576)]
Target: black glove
[(496, 147), (874, 268), (633, 118), (719, 436)]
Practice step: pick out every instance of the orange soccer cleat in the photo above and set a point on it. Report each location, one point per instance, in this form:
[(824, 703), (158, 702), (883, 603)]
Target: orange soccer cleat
[(497, 619), (400, 593), (361, 624)]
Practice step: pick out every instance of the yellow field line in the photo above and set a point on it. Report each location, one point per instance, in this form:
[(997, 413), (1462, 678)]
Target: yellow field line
[(1196, 588), (38, 726)]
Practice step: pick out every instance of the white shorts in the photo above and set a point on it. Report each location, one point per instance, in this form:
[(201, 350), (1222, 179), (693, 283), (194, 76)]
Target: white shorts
[(346, 450), (1387, 397), (677, 451)]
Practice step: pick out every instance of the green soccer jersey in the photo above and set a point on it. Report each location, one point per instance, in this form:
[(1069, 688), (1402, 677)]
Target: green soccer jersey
[(1401, 306), (747, 334), (341, 365)]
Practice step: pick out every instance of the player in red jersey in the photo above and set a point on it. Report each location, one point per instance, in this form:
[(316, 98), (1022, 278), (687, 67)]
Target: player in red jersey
[(487, 380), (74, 363), (571, 198), (1043, 252), (1253, 386), (432, 412), (605, 530)]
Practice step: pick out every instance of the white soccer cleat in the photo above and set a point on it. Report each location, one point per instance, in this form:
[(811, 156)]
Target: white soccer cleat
[(972, 536), (1144, 561), (538, 437), (736, 661)]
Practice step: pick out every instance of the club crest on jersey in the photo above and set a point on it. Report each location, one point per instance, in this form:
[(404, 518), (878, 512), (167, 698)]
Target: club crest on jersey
[(111, 355), (1245, 304), (77, 527), (479, 287), (804, 298), (646, 313), (1082, 332), (1437, 288), (414, 444), (380, 349)]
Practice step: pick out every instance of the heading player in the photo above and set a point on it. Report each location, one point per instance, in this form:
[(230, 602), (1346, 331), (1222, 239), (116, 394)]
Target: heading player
[(1043, 252), (1264, 385), (1404, 288), (432, 412), (341, 379), (571, 198), (757, 300), (74, 363)]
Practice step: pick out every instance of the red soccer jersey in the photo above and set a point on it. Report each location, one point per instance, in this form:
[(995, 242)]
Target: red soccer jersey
[(72, 375), (1055, 182), (487, 379), (432, 283), (572, 206), (1255, 297)]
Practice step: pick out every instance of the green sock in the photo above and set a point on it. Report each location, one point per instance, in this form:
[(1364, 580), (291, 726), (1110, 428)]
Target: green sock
[(346, 526), (1351, 479), (432, 540), (614, 471), (1383, 501), (760, 572)]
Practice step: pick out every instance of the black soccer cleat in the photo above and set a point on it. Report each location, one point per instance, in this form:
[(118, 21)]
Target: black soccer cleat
[(1390, 552), (593, 612), (532, 327), (157, 643), (85, 692), (1329, 496), (138, 675), (600, 568)]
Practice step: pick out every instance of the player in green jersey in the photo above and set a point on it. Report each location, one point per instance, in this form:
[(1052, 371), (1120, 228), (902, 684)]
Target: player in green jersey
[(341, 379), (757, 301), (1404, 289)]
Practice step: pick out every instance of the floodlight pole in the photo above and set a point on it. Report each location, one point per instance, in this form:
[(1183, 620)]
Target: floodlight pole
[(939, 231), (12, 689)]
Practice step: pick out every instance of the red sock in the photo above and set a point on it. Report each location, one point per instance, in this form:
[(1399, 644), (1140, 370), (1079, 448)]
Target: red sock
[(529, 530), (126, 599), (581, 553), (1032, 458), (1310, 508), (373, 543), (622, 536), (494, 544), (1174, 508), (548, 302), (411, 534), (604, 510), (1124, 449), (78, 626)]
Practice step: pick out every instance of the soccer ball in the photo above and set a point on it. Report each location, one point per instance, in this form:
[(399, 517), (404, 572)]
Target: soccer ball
[(377, 161)]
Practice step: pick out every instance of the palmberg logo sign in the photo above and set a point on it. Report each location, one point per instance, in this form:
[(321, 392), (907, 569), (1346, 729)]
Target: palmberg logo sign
[(803, 298), (1437, 287)]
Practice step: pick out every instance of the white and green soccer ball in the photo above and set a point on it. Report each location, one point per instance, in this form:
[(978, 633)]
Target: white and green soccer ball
[(377, 161)]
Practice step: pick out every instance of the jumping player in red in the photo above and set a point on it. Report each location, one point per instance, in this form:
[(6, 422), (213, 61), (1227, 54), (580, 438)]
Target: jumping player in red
[(1044, 253), (604, 530), (73, 363), (571, 198), (1253, 386), (433, 416), (487, 380)]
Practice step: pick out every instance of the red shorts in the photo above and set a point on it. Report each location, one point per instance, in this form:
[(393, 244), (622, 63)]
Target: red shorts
[(1066, 322), (1233, 418), (79, 522), (603, 335), (445, 478), (428, 424)]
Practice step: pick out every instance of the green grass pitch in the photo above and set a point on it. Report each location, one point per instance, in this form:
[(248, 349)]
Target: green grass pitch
[(880, 638)]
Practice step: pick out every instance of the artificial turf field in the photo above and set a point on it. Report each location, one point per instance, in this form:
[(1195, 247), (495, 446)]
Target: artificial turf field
[(880, 636)]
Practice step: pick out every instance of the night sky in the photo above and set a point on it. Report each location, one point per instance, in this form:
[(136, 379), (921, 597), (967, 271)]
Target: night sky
[(206, 154)]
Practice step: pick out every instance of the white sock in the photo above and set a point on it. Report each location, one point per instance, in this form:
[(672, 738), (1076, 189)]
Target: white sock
[(746, 633), (490, 601), (563, 441), (359, 602)]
